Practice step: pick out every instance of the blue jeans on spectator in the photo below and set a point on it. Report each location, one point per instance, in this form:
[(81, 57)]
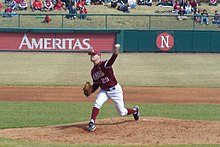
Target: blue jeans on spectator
[(9, 14), (132, 6), (83, 16), (206, 19)]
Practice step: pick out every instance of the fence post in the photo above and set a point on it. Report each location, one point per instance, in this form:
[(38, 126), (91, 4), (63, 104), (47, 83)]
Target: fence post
[(62, 20), (19, 21), (194, 22), (149, 22), (106, 21)]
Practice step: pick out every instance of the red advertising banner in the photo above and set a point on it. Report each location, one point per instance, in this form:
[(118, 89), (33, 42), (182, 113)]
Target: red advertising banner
[(57, 41)]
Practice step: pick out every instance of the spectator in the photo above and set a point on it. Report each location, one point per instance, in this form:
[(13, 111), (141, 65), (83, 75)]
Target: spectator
[(8, 12), (216, 18), (58, 5), (83, 13), (72, 13), (114, 3), (132, 4), (213, 2), (37, 5), (80, 4), (23, 5), (123, 7), (194, 5), (148, 2), (71, 3), (197, 15), (106, 1), (48, 5), (13, 4), (188, 8), (47, 19), (64, 3), (176, 7), (204, 17), (165, 3), (183, 3), (181, 14), (145, 2), (98, 2), (0, 5)]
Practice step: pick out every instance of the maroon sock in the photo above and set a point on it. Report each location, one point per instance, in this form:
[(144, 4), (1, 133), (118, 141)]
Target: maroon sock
[(95, 112), (131, 111)]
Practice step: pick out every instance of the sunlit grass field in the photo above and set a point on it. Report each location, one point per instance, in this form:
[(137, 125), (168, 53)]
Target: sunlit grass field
[(131, 69), (73, 69)]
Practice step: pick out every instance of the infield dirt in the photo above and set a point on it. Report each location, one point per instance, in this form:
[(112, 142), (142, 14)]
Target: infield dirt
[(121, 130)]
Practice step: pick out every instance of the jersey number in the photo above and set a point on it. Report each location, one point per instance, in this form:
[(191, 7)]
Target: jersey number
[(105, 80)]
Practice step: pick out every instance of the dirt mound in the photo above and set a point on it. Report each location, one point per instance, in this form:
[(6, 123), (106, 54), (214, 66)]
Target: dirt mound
[(131, 94), (124, 131)]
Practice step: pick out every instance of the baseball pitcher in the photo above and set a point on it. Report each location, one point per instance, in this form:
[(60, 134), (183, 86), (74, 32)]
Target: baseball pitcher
[(103, 77)]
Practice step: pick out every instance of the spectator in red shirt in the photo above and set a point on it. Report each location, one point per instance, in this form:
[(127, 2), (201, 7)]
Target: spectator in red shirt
[(8, 12), (8, 9), (80, 4), (83, 13), (58, 5), (176, 7), (213, 2), (194, 5), (0, 5), (37, 5)]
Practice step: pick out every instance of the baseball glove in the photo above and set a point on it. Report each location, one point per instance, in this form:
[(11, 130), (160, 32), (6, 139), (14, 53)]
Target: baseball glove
[(87, 89)]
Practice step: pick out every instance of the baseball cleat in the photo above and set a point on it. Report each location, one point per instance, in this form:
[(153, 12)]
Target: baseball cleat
[(136, 114), (91, 127)]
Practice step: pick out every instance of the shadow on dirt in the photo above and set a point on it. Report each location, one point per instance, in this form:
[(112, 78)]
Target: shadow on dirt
[(84, 126)]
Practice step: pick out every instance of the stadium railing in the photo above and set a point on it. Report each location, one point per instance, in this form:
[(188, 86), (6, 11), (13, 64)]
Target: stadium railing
[(107, 21)]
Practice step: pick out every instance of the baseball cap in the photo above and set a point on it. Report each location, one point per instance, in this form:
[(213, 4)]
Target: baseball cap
[(94, 52)]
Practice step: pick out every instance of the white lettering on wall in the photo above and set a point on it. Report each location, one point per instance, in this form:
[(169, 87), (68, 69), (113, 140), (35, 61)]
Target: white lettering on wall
[(55, 43), (25, 42), (47, 43), (164, 41)]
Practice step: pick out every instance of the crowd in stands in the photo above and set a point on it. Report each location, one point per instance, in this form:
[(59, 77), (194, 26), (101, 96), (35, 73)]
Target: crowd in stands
[(74, 7), (191, 7)]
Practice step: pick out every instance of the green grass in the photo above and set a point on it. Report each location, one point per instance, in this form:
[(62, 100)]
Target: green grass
[(29, 114), (146, 69)]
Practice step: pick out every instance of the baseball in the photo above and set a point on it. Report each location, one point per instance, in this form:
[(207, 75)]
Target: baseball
[(117, 45)]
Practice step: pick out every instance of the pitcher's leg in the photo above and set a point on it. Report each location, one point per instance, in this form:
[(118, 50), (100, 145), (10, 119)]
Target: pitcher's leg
[(117, 96), (100, 100), (122, 111)]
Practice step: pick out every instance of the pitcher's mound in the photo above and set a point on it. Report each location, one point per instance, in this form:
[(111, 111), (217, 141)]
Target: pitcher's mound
[(124, 131)]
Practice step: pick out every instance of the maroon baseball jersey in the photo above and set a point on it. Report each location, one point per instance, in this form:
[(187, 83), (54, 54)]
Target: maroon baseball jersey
[(103, 76)]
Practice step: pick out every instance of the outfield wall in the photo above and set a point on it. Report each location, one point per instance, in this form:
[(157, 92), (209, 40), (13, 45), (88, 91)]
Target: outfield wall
[(192, 41), (171, 41)]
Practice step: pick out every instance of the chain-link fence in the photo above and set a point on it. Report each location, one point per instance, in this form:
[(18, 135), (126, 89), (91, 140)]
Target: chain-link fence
[(107, 21)]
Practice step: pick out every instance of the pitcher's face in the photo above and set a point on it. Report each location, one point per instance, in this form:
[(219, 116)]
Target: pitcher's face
[(95, 59)]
